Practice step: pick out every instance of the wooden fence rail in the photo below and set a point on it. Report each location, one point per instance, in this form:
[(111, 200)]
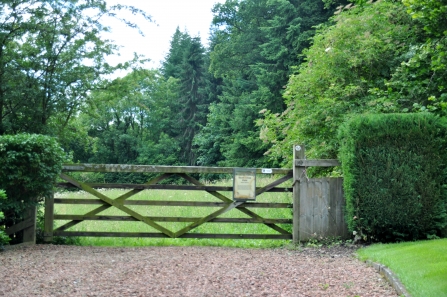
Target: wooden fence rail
[(27, 226)]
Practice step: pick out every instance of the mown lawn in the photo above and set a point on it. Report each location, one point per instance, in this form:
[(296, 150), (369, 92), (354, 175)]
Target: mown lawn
[(421, 266)]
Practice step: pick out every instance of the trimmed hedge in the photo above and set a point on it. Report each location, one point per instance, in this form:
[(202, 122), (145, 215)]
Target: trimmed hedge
[(394, 168), (29, 166)]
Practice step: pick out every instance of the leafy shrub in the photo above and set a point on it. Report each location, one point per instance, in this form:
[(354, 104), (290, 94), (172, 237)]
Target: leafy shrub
[(29, 166), (4, 239), (395, 173)]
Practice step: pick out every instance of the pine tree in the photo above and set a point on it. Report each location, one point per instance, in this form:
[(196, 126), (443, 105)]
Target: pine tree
[(186, 63)]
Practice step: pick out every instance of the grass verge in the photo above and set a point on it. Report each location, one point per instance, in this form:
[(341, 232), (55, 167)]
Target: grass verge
[(421, 266)]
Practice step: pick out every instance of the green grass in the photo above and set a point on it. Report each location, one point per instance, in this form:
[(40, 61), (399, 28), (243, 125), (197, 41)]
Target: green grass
[(167, 195), (421, 266)]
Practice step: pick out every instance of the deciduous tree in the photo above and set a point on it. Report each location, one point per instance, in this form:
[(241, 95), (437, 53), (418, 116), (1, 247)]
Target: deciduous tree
[(346, 72), (51, 56)]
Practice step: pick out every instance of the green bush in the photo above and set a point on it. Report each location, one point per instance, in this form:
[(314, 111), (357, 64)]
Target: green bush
[(29, 166), (394, 168), (4, 239)]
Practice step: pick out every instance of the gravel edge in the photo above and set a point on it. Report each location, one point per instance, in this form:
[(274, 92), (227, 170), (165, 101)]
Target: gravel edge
[(390, 277)]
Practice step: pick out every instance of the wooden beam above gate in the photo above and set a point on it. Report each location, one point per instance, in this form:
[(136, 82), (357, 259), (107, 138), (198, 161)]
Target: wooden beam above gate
[(317, 163), (159, 169)]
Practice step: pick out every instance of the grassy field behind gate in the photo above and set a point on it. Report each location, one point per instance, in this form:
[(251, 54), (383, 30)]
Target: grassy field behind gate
[(169, 211)]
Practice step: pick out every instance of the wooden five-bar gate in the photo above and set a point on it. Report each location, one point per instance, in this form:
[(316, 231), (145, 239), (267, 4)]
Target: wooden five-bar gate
[(317, 204), (224, 203)]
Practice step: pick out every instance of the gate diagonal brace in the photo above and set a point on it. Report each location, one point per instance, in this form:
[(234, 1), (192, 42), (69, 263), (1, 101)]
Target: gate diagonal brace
[(118, 204), (242, 209), (120, 198), (207, 218), (274, 184)]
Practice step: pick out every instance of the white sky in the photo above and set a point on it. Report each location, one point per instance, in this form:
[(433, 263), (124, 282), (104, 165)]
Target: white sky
[(194, 16)]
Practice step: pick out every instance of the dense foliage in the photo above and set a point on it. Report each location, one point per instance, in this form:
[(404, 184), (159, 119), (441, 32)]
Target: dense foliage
[(395, 176), (204, 117), (421, 82), (255, 45), (4, 239), (52, 54), (29, 166), (345, 73), (276, 72), (149, 116), (187, 62)]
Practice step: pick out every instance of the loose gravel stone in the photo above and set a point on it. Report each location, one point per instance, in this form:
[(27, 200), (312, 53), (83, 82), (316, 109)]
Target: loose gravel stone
[(47, 270)]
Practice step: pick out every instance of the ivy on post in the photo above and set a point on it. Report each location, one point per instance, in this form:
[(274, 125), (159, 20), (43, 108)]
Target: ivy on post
[(298, 153)]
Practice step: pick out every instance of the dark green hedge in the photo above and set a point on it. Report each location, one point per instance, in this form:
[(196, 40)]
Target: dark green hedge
[(394, 168), (29, 166)]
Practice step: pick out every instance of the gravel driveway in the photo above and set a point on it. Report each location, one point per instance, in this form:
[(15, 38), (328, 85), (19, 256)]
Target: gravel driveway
[(47, 270)]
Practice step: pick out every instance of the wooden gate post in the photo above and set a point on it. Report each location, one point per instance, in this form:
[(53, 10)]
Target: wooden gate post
[(298, 153), (49, 218), (29, 233)]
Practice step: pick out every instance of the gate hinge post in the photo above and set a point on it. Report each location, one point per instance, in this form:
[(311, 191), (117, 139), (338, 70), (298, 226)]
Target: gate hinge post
[(298, 153), (49, 219)]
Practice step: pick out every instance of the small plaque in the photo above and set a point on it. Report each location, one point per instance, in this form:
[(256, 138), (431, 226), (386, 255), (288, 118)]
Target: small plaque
[(244, 184), (267, 171)]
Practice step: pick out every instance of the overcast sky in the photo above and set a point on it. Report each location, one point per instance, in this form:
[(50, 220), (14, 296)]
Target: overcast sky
[(192, 15)]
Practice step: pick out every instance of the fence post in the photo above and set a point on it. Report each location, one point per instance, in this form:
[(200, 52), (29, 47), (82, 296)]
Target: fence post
[(49, 218), (298, 153)]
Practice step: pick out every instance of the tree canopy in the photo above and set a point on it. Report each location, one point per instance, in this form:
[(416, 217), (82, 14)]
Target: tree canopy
[(51, 56), (275, 73), (255, 45), (346, 71)]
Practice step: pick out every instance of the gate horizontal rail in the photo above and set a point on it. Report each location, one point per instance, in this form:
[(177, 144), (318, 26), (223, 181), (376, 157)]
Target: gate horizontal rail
[(173, 203), (172, 219), (166, 187), (186, 235)]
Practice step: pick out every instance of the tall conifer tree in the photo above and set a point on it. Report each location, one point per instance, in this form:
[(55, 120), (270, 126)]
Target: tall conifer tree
[(186, 63)]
